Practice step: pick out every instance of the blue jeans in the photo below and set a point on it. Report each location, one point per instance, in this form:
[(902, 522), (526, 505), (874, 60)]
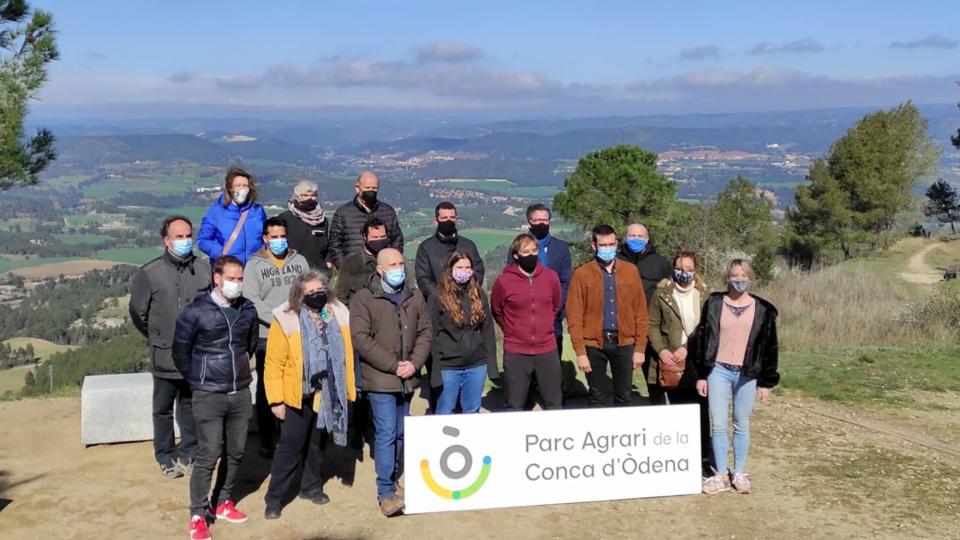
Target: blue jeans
[(721, 382), (465, 384), (388, 412)]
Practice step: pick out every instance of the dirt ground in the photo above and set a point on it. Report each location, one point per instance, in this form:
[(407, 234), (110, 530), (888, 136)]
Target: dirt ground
[(814, 476)]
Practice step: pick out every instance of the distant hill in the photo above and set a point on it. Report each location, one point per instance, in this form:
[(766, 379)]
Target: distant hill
[(90, 151)]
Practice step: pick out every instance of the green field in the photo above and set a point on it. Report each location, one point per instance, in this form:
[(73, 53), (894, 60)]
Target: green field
[(157, 185), (86, 220), (25, 224), (194, 213), (64, 181), (11, 380), (41, 347), (7, 265), (84, 239), (487, 239), (129, 255), (502, 187)]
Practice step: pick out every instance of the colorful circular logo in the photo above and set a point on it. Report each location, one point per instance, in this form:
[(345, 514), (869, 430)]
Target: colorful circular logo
[(455, 474)]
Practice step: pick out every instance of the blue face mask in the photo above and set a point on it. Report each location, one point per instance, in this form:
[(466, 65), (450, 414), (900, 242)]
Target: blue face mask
[(395, 277), (278, 245), (636, 245), (607, 253), (182, 247)]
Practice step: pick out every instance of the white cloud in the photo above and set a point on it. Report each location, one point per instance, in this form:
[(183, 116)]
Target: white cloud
[(806, 45), (700, 53), (933, 41), (447, 51)]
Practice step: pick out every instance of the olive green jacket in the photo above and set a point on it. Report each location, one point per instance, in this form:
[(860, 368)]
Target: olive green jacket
[(666, 323)]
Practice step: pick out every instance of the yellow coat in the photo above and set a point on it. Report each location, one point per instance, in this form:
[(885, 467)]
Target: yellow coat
[(283, 367)]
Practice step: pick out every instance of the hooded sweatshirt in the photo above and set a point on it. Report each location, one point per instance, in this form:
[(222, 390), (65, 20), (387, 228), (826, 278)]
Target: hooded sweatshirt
[(267, 282)]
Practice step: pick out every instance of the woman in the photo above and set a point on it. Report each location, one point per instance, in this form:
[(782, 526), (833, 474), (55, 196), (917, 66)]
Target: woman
[(674, 318), (737, 354), (309, 379), (234, 224), (463, 350), (525, 301), (307, 226)]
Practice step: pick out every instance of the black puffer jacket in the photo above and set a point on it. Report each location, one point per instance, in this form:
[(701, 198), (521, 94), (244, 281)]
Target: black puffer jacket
[(653, 267), (212, 353), (346, 230), (763, 348), (309, 240)]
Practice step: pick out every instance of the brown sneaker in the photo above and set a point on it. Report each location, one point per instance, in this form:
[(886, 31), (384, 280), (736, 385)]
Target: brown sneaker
[(391, 506), (718, 483), (399, 491), (741, 483)]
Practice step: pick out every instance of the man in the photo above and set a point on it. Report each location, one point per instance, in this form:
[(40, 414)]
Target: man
[(607, 318), (555, 255), (432, 254), (345, 237), (161, 288), (356, 268), (266, 282), (215, 337), (391, 332), (640, 251)]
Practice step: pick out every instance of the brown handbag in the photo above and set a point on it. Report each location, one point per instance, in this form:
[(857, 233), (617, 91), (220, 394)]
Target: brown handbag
[(669, 376)]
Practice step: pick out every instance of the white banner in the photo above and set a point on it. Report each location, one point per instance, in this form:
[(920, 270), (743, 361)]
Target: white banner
[(497, 460)]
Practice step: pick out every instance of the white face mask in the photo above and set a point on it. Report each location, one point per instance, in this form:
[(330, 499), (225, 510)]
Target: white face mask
[(240, 195), (230, 289)]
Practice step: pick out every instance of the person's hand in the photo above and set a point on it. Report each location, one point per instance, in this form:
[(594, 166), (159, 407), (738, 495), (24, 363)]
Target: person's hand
[(406, 369), (702, 387), (763, 394), (329, 264), (638, 359), (584, 363), (667, 357), (279, 410), (680, 354)]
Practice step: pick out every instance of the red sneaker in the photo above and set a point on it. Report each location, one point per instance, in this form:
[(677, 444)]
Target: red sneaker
[(198, 529), (228, 512)]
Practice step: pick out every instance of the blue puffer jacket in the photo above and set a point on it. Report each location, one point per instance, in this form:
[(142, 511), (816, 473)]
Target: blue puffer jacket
[(218, 224), (211, 353)]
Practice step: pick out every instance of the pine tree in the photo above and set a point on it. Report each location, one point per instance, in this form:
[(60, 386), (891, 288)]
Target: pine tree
[(27, 45)]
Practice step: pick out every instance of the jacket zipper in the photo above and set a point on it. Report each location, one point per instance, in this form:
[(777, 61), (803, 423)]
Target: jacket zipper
[(233, 357), (203, 369)]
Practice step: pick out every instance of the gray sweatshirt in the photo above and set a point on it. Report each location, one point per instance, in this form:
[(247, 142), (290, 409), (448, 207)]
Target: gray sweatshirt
[(267, 285)]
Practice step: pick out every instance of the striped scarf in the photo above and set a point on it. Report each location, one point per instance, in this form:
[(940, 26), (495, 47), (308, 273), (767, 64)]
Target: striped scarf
[(310, 218)]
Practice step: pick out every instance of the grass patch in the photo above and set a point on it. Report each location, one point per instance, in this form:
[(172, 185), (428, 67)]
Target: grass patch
[(487, 239), (7, 265), (25, 224), (11, 380), (130, 255), (91, 219), (41, 347), (83, 239), (875, 376), (160, 185)]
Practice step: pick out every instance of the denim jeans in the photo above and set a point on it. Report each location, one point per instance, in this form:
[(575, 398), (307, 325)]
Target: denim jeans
[(465, 384), (721, 382), (222, 424), (389, 409)]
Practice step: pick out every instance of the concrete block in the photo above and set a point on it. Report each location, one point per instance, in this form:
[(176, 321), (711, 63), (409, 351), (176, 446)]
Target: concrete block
[(119, 408)]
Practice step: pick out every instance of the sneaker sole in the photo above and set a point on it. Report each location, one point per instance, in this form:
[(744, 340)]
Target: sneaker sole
[(724, 490), (228, 520)]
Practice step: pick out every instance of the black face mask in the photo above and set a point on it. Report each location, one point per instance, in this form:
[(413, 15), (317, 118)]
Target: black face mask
[(369, 198), (308, 205), (540, 230), (315, 301), (376, 245), (447, 228), (528, 262)]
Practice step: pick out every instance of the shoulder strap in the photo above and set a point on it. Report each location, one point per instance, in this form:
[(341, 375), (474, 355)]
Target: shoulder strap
[(236, 232)]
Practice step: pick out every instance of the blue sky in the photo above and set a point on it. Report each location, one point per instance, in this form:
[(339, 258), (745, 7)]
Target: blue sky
[(570, 58)]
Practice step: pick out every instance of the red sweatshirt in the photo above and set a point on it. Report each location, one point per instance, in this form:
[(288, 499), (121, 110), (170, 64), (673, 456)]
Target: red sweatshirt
[(525, 307)]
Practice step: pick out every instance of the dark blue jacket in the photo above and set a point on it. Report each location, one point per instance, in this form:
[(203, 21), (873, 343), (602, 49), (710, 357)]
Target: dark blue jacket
[(211, 353), (218, 224), (558, 260)]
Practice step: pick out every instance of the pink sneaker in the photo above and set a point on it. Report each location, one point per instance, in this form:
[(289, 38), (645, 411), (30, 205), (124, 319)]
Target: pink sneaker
[(718, 483), (228, 512), (198, 529), (741, 483)]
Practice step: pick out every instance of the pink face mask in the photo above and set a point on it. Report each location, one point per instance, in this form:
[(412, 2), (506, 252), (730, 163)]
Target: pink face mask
[(462, 276)]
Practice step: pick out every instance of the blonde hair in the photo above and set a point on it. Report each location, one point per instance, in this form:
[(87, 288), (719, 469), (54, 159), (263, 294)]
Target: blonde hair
[(744, 265)]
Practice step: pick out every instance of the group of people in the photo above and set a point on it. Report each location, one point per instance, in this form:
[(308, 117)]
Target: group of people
[(339, 335)]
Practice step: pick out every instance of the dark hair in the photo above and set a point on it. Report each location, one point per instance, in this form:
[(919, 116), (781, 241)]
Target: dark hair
[(232, 173), (602, 230), (696, 264), (372, 223), (295, 298), (445, 205), (520, 240), (165, 228), (448, 292), (224, 261), (538, 207), (275, 221)]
